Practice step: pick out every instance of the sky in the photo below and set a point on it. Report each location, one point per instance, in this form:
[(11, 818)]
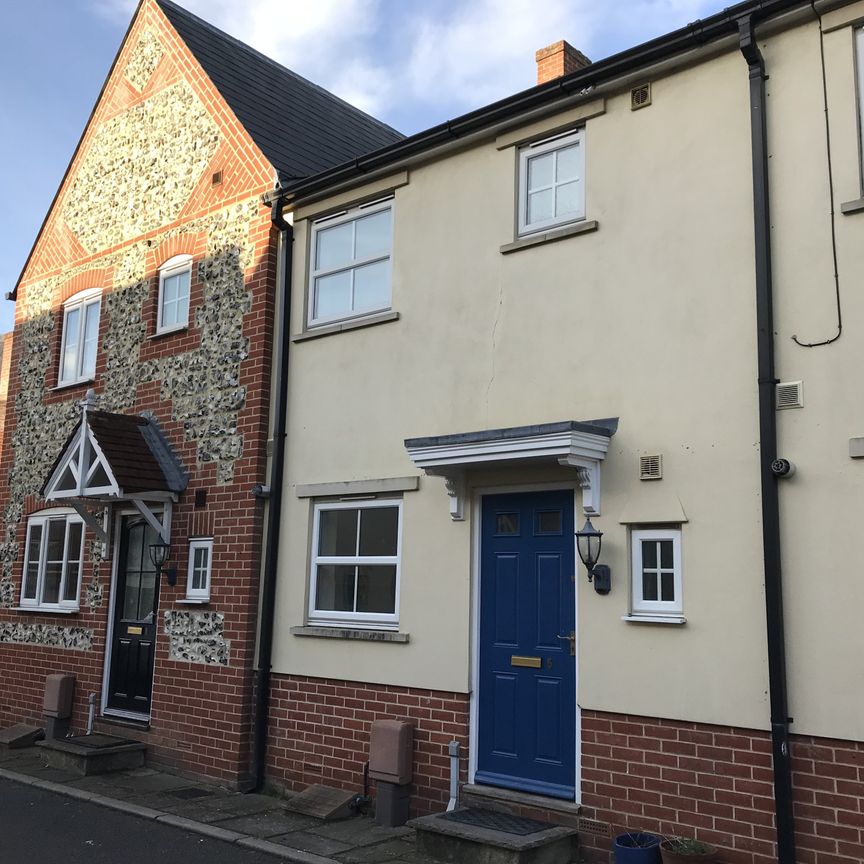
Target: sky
[(411, 63)]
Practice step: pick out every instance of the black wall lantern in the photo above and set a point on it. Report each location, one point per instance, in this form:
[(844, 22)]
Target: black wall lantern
[(159, 554), (588, 543)]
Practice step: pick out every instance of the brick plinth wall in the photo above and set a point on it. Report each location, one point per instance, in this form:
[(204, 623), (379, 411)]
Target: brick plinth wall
[(716, 783), (319, 733)]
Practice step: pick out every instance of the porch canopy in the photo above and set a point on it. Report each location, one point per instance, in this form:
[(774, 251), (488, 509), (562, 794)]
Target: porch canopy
[(116, 458), (571, 443)]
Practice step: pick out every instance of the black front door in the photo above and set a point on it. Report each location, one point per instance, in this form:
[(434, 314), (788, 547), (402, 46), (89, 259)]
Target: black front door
[(130, 679)]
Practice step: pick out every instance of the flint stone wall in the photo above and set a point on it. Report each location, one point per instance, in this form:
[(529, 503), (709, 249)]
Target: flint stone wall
[(197, 637)]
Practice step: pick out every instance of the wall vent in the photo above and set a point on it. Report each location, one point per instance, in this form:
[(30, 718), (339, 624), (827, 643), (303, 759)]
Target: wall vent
[(790, 394), (595, 828), (216, 179), (640, 97), (651, 467)]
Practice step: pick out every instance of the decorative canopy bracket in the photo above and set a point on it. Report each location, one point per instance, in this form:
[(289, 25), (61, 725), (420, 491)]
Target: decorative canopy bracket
[(588, 474), (454, 483), (91, 521), (163, 527)]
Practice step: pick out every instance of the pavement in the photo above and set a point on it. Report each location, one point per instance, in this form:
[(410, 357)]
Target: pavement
[(251, 822)]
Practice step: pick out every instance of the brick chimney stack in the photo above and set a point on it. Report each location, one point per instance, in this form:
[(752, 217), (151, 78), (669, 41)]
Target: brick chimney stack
[(558, 59)]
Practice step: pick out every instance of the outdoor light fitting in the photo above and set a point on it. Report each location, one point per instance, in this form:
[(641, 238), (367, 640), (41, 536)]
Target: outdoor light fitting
[(588, 543), (159, 554)]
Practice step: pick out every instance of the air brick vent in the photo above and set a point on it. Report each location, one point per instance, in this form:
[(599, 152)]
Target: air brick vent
[(790, 394), (651, 467), (640, 97), (595, 828)]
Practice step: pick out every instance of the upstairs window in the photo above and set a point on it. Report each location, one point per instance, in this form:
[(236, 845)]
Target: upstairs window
[(355, 563), (656, 566), (551, 183), (80, 337), (53, 561), (175, 281), (350, 272), (859, 46)]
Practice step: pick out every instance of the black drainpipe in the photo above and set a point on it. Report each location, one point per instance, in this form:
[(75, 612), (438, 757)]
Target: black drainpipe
[(277, 471), (768, 452)]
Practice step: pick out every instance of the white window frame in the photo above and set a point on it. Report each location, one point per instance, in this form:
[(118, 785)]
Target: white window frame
[(194, 545), (174, 267), (540, 148), (82, 301), (43, 519), (332, 221), (641, 606), (374, 620)]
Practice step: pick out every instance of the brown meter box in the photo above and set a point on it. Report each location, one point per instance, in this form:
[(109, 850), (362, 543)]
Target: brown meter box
[(58, 696), (391, 751)]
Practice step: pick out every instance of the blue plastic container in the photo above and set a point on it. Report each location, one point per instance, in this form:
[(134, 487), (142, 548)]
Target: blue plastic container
[(637, 847)]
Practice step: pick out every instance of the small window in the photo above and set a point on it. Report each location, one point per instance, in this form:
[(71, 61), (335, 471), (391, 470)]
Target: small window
[(53, 561), (200, 567), (355, 563), (350, 268), (551, 183), (175, 279), (656, 562), (80, 337)]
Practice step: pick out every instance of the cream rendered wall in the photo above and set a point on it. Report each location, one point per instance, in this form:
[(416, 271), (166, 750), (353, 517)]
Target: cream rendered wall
[(822, 506), (650, 318)]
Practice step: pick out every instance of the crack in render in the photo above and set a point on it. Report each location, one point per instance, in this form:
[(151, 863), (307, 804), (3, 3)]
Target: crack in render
[(494, 334)]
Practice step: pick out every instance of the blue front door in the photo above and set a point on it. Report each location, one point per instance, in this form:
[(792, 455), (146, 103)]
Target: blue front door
[(527, 681)]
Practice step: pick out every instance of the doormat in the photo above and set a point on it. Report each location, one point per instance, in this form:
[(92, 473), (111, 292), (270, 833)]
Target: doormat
[(496, 821)]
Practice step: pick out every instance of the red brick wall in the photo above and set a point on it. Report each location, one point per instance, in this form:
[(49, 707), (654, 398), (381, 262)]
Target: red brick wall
[(716, 783), (202, 714), (319, 733)]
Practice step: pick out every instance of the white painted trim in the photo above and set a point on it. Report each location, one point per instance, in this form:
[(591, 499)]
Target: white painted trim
[(343, 218), (44, 518), (371, 620), (474, 636), (82, 300), (583, 451), (174, 267), (548, 145), (655, 608), (199, 595), (126, 715)]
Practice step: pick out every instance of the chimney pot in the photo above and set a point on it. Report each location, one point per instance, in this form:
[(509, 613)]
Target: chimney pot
[(559, 58)]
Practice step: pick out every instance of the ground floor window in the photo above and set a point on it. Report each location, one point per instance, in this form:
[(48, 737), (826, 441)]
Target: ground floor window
[(656, 567), (53, 561), (200, 567), (356, 562)]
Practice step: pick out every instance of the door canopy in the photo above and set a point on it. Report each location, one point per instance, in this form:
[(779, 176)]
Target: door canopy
[(571, 443), (110, 457)]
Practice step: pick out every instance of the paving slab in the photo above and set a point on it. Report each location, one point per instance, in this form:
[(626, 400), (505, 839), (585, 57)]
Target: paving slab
[(222, 807), (269, 823), (21, 735), (308, 842), (358, 832), (388, 850)]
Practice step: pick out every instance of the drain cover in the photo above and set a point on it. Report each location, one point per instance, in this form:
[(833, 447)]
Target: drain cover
[(189, 794), (496, 821)]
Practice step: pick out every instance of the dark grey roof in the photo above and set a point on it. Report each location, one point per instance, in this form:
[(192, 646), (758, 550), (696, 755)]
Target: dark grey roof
[(300, 127), (606, 427)]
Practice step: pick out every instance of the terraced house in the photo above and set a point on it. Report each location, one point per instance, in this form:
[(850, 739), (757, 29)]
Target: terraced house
[(139, 393), (609, 304)]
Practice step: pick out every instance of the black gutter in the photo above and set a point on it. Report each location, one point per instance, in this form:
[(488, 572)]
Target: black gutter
[(695, 35), (768, 451), (274, 514)]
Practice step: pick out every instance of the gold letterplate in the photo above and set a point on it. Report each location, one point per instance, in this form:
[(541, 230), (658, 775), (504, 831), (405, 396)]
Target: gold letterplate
[(134, 631), (530, 662)]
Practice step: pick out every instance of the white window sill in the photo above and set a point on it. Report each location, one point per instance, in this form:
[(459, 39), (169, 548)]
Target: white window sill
[(46, 610), (169, 331), (550, 236), (65, 385), (654, 619), (193, 601), (314, 332), (350, 633)]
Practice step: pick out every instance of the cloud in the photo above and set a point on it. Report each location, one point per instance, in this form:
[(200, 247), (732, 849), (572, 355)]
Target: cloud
[(425, 62)]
